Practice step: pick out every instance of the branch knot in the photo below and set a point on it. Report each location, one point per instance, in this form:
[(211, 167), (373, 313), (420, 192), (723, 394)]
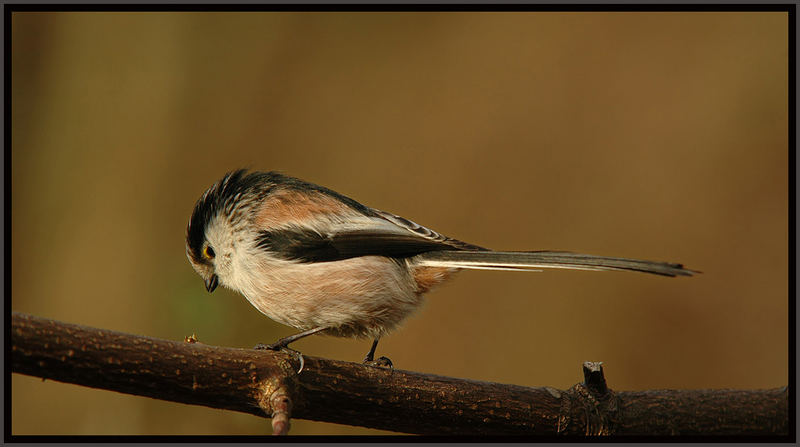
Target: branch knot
[(593, 400)]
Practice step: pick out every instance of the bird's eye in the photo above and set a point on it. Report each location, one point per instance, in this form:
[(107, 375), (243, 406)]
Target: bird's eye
[(208, 252)]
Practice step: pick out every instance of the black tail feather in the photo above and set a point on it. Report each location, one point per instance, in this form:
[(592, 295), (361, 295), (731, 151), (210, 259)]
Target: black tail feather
[(529, 260)]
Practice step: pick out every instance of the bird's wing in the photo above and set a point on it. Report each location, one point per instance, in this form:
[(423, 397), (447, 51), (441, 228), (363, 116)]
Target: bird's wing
[(381, 234)]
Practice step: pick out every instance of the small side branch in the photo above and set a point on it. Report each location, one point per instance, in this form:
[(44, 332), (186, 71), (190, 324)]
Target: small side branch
[(265, 383), (278, 404)]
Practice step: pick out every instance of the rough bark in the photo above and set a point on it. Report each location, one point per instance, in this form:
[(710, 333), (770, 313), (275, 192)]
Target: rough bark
[(265, 383)]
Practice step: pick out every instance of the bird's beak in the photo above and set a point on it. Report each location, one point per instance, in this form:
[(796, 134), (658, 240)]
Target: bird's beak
[(211, 283)]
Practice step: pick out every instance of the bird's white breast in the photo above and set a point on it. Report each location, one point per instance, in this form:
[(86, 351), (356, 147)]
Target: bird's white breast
[(362, 296)]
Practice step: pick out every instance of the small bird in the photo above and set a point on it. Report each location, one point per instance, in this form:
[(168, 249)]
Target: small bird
[(311, 258)]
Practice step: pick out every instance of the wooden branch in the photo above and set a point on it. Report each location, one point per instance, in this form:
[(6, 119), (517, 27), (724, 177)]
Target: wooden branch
[(265, 383)]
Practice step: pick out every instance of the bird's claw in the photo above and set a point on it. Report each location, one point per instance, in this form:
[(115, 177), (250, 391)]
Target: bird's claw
[(299, 357)]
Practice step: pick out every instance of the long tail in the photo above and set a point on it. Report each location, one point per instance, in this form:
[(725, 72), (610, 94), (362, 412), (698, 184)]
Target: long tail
[(532, 260)]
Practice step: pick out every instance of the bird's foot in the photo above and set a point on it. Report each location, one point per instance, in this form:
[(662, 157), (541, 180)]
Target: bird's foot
[(283, 347), (382, 362)]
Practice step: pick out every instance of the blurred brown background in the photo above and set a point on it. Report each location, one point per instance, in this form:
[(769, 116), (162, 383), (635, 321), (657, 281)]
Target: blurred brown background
[(647, 135)]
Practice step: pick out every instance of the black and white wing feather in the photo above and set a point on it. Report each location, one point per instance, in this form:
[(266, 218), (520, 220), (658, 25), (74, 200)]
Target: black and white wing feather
[(379, 234)]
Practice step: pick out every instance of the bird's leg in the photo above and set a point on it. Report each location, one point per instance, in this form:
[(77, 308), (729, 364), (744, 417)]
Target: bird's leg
[(371, 354), (283, 344), (382, 362)]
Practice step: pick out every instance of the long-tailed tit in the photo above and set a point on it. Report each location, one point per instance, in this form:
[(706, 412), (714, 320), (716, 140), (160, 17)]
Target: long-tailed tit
[(313, 259)]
